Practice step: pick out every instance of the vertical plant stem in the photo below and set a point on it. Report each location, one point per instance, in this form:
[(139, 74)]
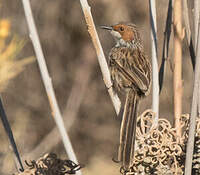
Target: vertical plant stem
[(196, 22), (100, 55), (178, 36), (47, 82), (192, 124), (155, 76)]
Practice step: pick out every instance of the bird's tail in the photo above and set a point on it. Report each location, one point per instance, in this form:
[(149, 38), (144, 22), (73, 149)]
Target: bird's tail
[(128, 130)]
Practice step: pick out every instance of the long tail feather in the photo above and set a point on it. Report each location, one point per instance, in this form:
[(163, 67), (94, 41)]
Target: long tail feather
[(128, 130)]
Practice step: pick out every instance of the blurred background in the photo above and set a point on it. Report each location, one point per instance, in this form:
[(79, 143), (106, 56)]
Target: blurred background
[(72, 63)]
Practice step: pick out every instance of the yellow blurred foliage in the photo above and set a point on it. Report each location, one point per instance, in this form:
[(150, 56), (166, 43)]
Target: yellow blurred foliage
[(4, 28), (9, 65)]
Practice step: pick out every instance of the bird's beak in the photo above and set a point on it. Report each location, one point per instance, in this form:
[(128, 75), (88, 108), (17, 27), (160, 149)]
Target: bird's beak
[(106, 27)]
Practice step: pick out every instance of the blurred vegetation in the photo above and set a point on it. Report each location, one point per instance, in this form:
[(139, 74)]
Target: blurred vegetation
[(94, 131), (9, 50)]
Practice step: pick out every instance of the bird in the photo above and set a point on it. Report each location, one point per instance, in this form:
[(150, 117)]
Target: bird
[(131, 73)]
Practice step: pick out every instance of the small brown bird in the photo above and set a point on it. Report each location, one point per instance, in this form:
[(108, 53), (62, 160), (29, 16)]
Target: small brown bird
[(131, 73)]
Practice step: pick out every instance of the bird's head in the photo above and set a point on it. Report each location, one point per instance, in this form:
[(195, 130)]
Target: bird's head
[(125, 34)]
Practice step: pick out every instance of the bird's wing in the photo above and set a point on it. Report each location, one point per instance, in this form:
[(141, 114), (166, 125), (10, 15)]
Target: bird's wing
[(134, 67)]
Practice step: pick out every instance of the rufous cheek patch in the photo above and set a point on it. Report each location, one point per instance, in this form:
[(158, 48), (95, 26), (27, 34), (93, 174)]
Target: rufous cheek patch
[(128, 35)]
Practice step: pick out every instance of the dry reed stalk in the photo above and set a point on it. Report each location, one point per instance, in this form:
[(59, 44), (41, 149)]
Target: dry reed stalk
[(155, 76), (47, 82), (192, 124), (100, 55), (178, 36)]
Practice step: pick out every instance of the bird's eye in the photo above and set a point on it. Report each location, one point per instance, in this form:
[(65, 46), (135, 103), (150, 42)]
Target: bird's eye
[(121, 29)]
